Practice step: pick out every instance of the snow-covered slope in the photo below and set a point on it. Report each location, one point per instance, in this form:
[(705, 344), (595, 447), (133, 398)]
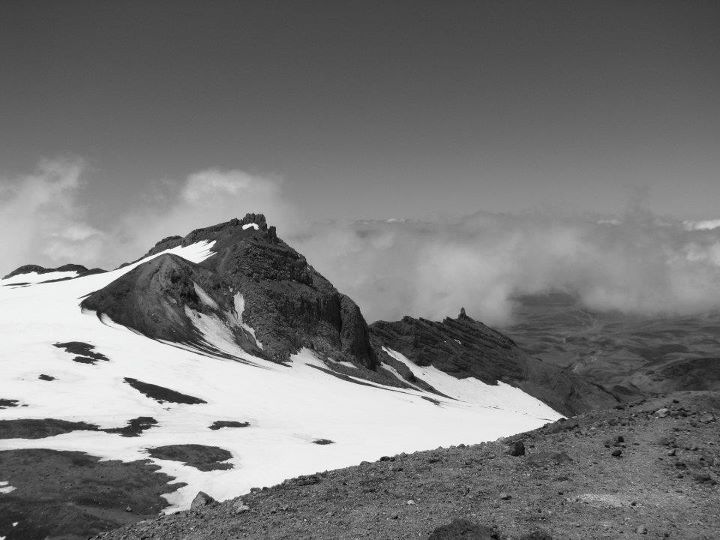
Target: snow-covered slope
[(287, 407)]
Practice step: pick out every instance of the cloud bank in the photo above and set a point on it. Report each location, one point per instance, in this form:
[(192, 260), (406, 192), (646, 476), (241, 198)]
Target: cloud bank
[(42, 219), (636, 262), (203, 198)]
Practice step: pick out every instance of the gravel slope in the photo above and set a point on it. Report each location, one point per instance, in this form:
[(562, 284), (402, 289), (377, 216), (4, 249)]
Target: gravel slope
[(648, 470)]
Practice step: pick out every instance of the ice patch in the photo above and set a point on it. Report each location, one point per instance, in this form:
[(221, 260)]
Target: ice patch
[(251, 226), (397, 375), (6, 488), (217, 334), (343, 363), (239, 301), (204, 297)]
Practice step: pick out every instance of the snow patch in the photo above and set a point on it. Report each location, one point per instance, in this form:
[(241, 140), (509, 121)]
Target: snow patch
[(239, 302), (251, 226), (398, 376), (205, 297), (472, 390), (35, 278), (216, 333), (6, 488)]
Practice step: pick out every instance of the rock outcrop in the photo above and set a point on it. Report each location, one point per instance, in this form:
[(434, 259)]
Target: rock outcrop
[(34, 268), (464, 347), (287, 303)]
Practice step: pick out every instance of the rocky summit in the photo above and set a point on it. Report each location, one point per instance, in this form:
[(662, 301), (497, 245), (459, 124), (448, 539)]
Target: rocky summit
[(284, 299)]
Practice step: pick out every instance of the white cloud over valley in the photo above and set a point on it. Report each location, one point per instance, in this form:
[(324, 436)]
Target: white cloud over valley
[(635, 262)]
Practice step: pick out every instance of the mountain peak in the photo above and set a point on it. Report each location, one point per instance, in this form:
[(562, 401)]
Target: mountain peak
[(251, 226), (285, 300)]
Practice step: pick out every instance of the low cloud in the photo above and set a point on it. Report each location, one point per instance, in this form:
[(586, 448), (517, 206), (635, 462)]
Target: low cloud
[(636, 262), (41, 219), (203, 198)]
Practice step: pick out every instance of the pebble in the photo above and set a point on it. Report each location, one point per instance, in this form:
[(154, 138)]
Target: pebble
[(505, 496), (200, 500), (239, 507), (515, 449)]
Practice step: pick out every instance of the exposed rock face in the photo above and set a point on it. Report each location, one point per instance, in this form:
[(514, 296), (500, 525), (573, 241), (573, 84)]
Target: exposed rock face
[(286, 301), (464, 347), (153, 297)]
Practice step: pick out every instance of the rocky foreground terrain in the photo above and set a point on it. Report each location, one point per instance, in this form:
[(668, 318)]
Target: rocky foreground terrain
[(643, 470)]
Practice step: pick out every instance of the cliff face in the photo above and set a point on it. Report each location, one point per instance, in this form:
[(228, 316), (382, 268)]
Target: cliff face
[(464, 347), (286, 301)]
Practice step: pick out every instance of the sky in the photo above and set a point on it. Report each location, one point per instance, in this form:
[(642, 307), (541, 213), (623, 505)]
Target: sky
[(122, 122)]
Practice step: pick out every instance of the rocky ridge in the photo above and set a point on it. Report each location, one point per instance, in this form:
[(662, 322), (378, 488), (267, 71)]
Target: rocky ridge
[(464, 347), (34, 268)]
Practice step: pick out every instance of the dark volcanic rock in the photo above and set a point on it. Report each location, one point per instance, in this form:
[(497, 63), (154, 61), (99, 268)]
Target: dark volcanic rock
[(73, 495), (204, 458), (219, 424), (29, 268), (37, 428), (7, 403), (134, 427), (200, 500), (84, 351), (287, 303), (323, 442), (162, 394), (515, 448), (32, 428), (464, 347), (154, 299), (166, 243)]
